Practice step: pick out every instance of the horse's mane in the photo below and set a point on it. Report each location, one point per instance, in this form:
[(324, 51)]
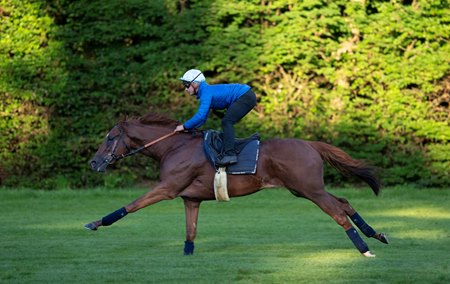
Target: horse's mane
[(155, 119)]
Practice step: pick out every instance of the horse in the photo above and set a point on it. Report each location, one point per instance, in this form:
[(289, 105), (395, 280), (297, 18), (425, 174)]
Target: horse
[(185, 172)]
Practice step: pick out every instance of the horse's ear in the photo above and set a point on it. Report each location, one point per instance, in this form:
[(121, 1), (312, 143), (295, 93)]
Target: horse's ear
[(123, 124), (122, 118)]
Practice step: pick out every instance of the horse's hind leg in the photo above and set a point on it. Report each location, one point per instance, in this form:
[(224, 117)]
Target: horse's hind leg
[(365, 228), (336, 209)]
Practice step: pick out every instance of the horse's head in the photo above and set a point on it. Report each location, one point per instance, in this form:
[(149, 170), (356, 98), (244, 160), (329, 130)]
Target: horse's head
[(128, 135), (111, 150)]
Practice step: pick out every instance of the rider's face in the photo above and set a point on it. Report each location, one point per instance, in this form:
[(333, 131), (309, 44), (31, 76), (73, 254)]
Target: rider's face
[(192, 89)]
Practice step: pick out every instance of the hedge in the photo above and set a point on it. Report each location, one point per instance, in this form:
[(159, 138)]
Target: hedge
[(371, 77)]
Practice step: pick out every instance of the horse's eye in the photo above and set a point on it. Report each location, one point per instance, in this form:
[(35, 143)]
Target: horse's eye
[(109, 140)]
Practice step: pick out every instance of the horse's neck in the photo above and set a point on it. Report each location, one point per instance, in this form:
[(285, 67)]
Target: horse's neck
[(146, 134)]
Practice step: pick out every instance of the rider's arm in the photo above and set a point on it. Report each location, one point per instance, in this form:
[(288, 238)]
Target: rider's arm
[(202, 113)]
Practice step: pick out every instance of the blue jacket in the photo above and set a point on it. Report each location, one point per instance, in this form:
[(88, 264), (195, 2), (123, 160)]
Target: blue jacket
[(219, 96)]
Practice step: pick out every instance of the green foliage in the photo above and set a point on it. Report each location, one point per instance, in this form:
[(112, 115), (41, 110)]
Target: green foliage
[(371, 77)]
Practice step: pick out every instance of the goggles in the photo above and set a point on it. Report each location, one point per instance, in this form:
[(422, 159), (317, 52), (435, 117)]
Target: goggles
[(187, 84)]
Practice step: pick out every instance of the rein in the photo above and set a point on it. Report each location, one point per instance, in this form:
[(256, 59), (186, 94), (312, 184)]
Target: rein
[(143, 147)]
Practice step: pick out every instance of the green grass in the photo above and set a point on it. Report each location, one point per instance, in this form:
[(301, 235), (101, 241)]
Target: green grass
[(268, 237)]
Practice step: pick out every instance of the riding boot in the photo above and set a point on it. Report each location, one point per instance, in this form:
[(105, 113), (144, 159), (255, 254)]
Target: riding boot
[(229, 159)]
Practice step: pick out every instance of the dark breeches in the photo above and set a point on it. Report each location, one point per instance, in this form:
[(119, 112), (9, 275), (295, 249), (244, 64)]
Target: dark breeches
[(235, 113)]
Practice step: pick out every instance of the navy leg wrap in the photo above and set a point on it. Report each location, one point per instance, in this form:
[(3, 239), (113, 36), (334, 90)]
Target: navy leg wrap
[(357, 241), (188, 248), (114, 217), (362, 225)]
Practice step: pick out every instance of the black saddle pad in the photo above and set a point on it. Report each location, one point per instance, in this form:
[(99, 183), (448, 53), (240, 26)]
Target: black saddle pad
[(247, 150)]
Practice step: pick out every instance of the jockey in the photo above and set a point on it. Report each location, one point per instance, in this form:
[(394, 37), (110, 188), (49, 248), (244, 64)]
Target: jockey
[(237, 99)]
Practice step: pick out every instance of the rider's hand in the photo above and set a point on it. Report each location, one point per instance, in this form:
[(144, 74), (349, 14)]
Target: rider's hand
[(179, 128)]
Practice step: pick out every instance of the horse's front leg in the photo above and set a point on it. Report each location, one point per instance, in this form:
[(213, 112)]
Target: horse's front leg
[(191, 208), (159, 193)]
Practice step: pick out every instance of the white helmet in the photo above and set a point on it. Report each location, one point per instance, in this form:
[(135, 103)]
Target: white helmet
[(193, 75)]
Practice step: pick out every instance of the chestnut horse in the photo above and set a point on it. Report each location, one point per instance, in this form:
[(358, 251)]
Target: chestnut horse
[(185, 172)]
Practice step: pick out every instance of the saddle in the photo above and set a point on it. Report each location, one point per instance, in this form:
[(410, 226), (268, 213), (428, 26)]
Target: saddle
[(247, 150)]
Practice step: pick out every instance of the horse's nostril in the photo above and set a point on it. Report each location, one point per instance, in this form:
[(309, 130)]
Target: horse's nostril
[(93, 164)]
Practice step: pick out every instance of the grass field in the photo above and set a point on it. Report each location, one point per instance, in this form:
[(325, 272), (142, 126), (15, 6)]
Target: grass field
[(268, 237)]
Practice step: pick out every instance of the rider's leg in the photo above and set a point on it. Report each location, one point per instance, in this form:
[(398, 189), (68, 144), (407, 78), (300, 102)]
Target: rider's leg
[(235, 113)]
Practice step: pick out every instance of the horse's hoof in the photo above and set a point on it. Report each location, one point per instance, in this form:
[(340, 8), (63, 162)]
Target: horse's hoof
[(382, 238), (91, 226), (368, 254), (188, 248)]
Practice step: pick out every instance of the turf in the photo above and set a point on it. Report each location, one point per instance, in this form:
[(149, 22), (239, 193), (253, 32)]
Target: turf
[(268, 237)]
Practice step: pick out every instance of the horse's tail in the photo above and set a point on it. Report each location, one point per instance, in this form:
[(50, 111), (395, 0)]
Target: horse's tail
[(346, 165)]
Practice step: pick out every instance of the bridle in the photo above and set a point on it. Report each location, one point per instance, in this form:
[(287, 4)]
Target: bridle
[(114, 157)]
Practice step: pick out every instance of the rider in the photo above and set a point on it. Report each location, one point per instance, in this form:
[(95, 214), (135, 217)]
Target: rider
[(238, 99)]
